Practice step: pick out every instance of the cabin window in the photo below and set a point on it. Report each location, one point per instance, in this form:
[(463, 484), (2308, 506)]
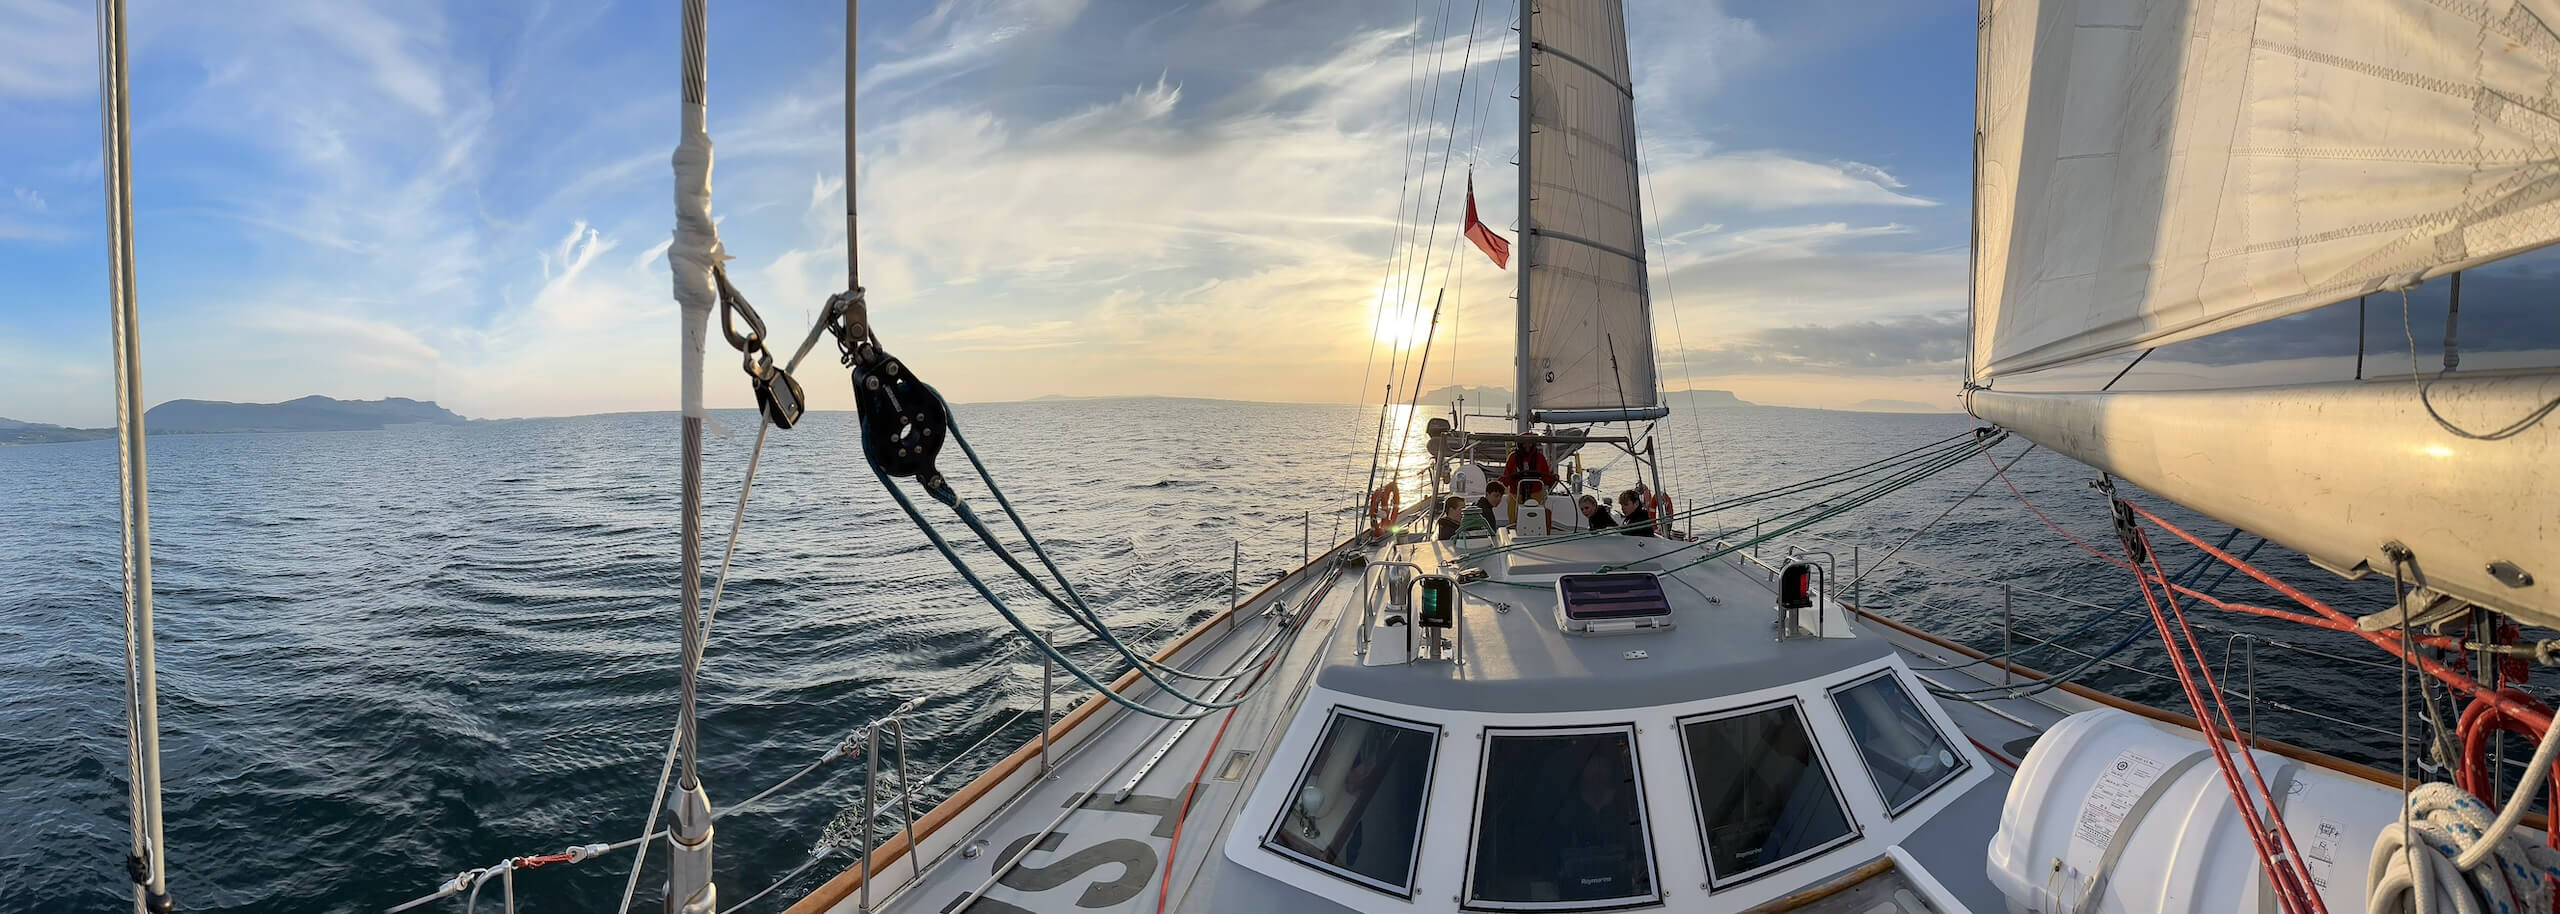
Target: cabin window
[(1560, 822), (1357, 811), (1765, 798), (1903, 749)]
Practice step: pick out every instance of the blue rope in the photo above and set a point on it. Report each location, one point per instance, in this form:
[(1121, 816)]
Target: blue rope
[(1081, 612), (949, 498)]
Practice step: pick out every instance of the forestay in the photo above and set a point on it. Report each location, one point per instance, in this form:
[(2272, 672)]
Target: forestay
[(1586, 332), (2159, 171)]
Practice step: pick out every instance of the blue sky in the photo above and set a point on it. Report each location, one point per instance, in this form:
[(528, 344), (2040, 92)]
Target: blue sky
[(470, 202)]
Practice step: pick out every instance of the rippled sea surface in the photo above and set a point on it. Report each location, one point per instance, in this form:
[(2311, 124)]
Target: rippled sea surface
[(388, 656)]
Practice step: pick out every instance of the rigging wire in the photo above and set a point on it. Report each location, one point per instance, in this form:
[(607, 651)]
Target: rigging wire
[(2426, 385), (1395, 247), (148, 864), (697, 639), (1997, 472), (1816, 513), (1926, 451), (1420, 280)]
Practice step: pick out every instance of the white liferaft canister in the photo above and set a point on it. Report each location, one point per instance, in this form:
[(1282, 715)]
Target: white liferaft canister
[(2115, 812)]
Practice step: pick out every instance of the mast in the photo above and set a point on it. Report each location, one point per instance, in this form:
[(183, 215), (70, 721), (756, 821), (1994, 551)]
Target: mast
[(1528, 236), (149, 865)]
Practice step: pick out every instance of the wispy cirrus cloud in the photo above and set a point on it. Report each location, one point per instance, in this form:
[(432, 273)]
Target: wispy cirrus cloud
[(1057, 195), (36, 60)]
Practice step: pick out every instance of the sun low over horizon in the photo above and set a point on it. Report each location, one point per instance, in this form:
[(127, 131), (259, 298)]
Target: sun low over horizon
[(469, 205)]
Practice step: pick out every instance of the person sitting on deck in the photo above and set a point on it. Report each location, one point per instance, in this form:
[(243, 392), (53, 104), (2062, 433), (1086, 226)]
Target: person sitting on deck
[(1452, 510), (1491, 502), (1595, 516), (1639, 518), (1527, 461)]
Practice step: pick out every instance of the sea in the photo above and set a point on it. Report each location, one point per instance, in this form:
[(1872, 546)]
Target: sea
[(388, 656)]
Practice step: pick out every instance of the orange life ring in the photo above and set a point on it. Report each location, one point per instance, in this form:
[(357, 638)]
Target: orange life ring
[(1661, 506), (1384, 506)]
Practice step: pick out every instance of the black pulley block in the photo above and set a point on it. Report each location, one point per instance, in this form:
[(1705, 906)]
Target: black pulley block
[(779, 397), (904, 421)]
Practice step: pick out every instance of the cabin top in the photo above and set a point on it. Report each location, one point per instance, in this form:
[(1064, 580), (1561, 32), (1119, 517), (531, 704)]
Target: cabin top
[(1517, 657)]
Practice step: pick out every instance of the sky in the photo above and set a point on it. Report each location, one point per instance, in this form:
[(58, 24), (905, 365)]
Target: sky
[(471, 202)]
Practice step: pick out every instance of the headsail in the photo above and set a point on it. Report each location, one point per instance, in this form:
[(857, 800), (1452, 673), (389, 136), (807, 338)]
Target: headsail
[(1586, 331), (2156, 172)]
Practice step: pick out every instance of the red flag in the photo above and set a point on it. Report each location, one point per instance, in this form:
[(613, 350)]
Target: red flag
[(1493, 245)]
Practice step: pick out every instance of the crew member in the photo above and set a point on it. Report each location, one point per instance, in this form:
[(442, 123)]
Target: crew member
[(1639, 518)]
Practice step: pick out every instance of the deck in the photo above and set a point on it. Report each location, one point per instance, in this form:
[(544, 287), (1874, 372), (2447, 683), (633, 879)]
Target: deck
[(1136, 813)]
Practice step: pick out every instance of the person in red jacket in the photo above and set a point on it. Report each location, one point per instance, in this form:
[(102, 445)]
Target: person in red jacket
[(1528, 461), (1527, 473)]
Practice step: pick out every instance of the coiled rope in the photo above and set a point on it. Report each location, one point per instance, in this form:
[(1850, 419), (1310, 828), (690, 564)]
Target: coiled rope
[(2451, 856)]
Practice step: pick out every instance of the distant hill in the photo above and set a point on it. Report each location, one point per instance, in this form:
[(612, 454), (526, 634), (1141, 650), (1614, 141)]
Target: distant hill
[(13, 431), (1896, 406), (1707, 398), (1488, 397), (309, 414)]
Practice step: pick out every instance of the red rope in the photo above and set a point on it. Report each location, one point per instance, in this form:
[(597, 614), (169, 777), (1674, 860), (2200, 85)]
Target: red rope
[(2283, 865), (2537, 718), (1165, 885), (2057, 528)]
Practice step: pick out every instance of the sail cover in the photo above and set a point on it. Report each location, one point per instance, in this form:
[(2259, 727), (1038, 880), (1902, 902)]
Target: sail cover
[(1587, 335), (2153, 171)]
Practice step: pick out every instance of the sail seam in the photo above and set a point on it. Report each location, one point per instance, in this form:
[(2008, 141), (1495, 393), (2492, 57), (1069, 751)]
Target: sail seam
[(1588, 243), (1623, 89)]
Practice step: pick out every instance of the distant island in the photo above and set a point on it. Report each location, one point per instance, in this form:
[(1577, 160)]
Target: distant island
[(13, 431), (214, 417), (1709, 398)]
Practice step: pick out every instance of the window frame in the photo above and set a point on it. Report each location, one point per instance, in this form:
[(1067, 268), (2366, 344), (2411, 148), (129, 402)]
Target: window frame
[(1697, 801), (1644, 822), (1964, 762), (1422, 821)]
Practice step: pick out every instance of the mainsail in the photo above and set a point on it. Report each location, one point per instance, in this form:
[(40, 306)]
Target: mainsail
[(2154, 172), (1586, 332)]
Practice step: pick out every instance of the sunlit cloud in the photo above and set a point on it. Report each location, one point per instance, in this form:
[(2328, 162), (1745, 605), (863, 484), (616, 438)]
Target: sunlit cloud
[(405, 200)]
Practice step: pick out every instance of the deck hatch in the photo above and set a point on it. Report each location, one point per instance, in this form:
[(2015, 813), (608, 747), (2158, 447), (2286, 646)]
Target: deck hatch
[(1905, 753), (1356, 811), (1560, 822), (1614, 602), (1765, 797)]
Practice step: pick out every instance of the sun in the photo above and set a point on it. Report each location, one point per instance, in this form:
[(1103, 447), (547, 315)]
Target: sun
[(1401, 321)]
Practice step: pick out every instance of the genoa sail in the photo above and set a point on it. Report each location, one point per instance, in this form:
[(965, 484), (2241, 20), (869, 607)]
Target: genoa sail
[(2147, 173), (1586, 331), (2156, 172)]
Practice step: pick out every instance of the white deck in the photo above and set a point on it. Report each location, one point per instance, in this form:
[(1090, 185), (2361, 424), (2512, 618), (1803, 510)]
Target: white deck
[(1095, 833)]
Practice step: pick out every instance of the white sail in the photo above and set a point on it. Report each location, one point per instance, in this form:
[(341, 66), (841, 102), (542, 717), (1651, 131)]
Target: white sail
[(2158, 171), (2149, 172), (1586, 331)]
